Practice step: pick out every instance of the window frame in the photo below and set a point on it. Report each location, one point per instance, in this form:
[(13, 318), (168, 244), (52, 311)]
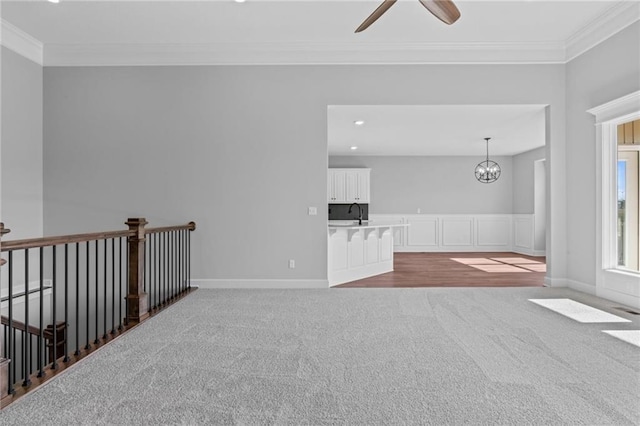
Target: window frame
[(612, 281)]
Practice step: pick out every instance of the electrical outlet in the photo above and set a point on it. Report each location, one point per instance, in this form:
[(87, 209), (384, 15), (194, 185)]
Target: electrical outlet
[(292, 264), (419, 210), (313, 211)]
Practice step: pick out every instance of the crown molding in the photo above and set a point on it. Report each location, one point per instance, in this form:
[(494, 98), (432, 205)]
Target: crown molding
[(292, 53), (15, 39), (614, 20)]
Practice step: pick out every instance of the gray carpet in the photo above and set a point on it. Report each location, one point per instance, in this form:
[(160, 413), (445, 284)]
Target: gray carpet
[(353, 356)]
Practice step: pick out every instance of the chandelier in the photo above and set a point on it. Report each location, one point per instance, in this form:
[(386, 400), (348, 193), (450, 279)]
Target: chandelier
[(487, 171)]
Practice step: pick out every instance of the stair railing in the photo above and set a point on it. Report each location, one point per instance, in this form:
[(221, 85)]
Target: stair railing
[(67, 296)]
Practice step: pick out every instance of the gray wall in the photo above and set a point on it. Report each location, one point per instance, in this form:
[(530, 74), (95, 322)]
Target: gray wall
[(242, 150), (21, 161), (438, 185), (523, 180), (606, 72)]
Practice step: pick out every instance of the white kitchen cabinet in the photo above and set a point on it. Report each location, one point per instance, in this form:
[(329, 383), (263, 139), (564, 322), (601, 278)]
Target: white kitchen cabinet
[(348, 186), (336, 186)]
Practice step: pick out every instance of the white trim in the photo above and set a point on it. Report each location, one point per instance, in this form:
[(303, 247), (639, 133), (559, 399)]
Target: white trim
[(614, 20), (581, 287), (529, 252), (631, 301), (555, 282), (611, 283), (621, 109), (15, 39), (296, 53), (258, 283)]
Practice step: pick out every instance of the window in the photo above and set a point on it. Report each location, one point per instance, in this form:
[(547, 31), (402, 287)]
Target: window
[(617, 199), (628, 195)]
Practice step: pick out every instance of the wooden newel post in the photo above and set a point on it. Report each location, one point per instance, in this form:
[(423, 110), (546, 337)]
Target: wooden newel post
[(137, 306), (4, 362)]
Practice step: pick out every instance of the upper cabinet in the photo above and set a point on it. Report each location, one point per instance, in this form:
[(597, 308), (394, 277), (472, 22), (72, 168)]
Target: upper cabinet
[(348, 186)]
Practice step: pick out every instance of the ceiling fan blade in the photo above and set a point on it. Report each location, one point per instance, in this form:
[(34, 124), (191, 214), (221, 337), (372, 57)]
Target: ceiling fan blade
[(375, 15), (444, 10)]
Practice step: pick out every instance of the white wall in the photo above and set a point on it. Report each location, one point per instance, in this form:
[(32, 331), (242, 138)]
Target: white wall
[(435, 185), (523, 180), (606, 72), (242, 150), (21, 161)]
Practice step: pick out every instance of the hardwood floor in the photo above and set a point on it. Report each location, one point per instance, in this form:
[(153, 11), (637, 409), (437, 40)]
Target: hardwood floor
[(459, 270)]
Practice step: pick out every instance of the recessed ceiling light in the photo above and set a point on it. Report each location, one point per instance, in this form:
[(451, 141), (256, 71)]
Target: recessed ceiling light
[(358, 122), (239, 1), (353, 148), (54, 1)]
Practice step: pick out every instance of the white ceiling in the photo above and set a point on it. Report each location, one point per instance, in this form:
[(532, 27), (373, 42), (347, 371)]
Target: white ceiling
[(305, 31), (126, 32), (304, 21), (435, 129)]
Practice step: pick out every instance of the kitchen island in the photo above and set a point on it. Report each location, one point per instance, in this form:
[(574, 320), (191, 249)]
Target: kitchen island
[(359, 251)]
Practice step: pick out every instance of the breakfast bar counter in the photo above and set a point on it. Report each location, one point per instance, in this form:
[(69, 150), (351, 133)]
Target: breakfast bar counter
[(359, 251)]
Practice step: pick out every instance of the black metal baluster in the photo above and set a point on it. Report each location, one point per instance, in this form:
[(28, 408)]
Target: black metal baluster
[(147, 265), (87, 320), (126, 290), (154, 268), (152, 271), (66, 303), (162, 269), (113, 286), (26, 340), (11, 349), (175, 264), (166, 264), (182, 257), (54, 362), (177, 261), (189, 258), (77, 352), (96, 340), (104, 283), (156, 258), (40, 340), (171, 268), (120, 284)]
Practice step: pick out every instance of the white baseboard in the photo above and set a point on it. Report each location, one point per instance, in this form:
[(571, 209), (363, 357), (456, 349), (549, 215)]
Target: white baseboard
[(555, 282), (611, 295), (529, 252), (258, 283), (450, 249), (615, 296), (581, 287)]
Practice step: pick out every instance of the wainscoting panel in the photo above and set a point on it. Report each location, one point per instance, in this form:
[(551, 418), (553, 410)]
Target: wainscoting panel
[(455, 232), (424, 231), (493, 231), (523, 233)]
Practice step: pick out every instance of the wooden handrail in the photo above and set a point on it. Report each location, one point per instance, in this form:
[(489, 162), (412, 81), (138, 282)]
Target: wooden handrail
[(132, 260), (64, 239), (191, 226), (20, 326)]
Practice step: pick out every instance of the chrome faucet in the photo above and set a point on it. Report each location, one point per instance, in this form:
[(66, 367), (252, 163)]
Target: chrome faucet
[(359, 212)]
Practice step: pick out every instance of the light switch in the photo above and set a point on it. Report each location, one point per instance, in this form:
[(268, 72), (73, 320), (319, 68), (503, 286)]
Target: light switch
[(313, 211)]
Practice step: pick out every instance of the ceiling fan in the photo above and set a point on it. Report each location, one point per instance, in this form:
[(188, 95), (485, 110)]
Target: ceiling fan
[(444, 10)]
